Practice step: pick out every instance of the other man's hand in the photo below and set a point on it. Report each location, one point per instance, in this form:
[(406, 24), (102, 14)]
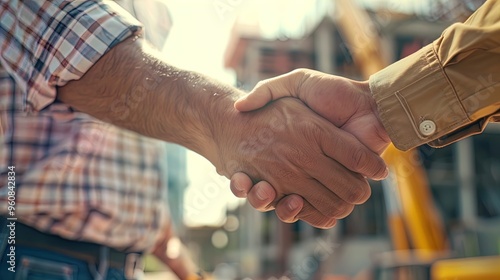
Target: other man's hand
[(299, 152), (345, 103)]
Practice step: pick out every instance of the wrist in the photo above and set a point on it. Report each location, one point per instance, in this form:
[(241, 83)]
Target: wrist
[(225, 128), (364, 87), (220, 123), (374, 135)]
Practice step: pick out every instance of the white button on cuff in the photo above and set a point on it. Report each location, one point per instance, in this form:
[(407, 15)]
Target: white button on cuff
[(427, 127)]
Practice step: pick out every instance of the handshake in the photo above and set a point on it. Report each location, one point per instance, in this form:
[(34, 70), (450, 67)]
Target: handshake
[(312, 157)]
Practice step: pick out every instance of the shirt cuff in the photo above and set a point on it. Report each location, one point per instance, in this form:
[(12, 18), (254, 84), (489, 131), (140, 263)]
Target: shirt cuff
[(416, 101), (72, 46)]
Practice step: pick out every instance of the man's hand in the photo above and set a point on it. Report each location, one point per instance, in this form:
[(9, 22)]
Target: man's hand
[(346, 103), (299, 152)]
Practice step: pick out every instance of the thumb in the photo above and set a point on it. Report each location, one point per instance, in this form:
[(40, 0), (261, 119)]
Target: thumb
[(263, 93), (252, 101)]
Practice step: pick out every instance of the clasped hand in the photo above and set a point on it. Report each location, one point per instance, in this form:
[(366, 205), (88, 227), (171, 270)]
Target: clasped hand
[(331, 164)]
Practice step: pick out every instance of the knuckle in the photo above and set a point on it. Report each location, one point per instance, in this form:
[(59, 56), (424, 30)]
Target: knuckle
[(261, 84), (340, 210), (315, 218), (298, 160), (299, 72), (296, 72), (358, 193), (297, 78), (365, 197), (347, 211), (314, 131), (304, 160), (284, 174)]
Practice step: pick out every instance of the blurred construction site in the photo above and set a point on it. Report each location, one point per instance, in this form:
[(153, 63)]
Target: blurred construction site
[(436, 217)]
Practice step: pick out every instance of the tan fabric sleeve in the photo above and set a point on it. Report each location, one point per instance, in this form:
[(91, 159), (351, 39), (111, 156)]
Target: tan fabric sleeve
[(449, 89)]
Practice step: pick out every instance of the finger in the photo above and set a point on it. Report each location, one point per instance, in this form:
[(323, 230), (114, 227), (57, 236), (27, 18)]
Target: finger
[(268, 90), (261, 196), (320, 194), (293, 207), (330, 205), (346, 149), (322, 197), (311, 216), (349, 186), (240, 184), (289, 207)]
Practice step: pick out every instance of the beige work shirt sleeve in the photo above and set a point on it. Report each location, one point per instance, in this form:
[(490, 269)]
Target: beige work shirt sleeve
[(449, 89)]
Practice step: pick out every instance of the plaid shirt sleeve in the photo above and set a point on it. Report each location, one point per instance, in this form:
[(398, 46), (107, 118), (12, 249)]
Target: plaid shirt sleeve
[(45, 44)]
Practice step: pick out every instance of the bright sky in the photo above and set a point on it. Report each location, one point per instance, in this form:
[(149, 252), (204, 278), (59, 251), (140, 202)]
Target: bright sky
[(197, 42)]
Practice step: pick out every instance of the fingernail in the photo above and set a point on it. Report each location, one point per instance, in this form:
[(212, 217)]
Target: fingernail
[(293, 204), (261, 194)]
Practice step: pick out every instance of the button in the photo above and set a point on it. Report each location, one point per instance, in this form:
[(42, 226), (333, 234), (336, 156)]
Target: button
[(427, 127)]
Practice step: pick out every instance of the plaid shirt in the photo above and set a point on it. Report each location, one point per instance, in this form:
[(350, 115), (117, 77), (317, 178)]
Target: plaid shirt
[(75, 176)]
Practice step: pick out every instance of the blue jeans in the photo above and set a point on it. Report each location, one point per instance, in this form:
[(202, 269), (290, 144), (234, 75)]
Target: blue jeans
[(20, 263)]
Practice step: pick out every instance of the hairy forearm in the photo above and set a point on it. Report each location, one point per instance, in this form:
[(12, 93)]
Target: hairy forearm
[(131, 87)]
